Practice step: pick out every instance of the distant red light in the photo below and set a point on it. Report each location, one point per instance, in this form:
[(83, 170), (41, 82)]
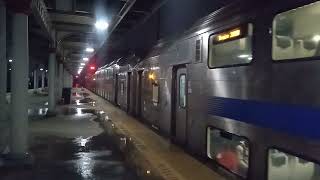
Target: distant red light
[(92, 67)]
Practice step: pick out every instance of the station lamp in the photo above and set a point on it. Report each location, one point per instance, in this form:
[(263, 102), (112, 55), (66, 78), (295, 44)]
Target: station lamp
[(10, 60), (316, 38), (101, 25), (82, 64), (85, 59), (41, 69), (89, 49)]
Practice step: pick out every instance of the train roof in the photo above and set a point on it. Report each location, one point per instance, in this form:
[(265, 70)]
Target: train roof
[(236, 8)]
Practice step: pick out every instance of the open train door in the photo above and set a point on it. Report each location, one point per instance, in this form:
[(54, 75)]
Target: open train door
[(179, 97)]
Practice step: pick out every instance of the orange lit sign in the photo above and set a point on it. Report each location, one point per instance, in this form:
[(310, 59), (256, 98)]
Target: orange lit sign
[(228, 35), (151, 76)]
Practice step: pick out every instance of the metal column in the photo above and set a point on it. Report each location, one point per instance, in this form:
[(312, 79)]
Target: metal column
[(52, 65), (42, 79), (19, 86), (3, 60), (35, 80), (60, 79)]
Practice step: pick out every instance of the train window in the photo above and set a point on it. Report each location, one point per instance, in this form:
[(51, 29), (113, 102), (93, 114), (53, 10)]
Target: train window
[(155, 93), (228, 150), (296, 33), (231, 47), (282, 165), (182, 91)]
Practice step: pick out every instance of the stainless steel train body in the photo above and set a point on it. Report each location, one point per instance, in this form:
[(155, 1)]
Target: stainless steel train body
[(240, 88)]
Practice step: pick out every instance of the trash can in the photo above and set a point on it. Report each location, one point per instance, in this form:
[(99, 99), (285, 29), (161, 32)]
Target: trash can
[(66, 95)]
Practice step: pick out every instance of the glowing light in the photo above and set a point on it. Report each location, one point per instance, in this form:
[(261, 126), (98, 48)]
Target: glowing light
[(46, 70), (244, 56), (85, 59), (148, 172), (41, 69), (89, 49), (10, 60), (10, 69), (82, 64), (229, 35), (316, 38), (77, 76), (92, 68), (94, 79), (235, 33), (101, 25), (151, 76)]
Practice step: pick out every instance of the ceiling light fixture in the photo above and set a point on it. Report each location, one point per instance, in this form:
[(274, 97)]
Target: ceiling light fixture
[(85, 59), (101, 25), (89, 49), (41, 69), (316, 38), (10, 60), (82, 64)]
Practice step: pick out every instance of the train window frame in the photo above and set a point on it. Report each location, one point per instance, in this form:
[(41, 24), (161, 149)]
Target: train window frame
[(155, 85), (220, 165), (185, 88), (283, 150), (248, 26), (274, 15)]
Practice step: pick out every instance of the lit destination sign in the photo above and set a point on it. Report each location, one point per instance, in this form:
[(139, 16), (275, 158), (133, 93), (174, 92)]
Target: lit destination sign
[(228, 35)]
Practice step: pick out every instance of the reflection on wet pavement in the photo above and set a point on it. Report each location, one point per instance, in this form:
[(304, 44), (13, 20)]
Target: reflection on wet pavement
[(91, 158)]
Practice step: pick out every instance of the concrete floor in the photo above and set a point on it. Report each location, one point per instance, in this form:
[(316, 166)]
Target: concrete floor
[(166, 160), (69, 146), (76, 144)]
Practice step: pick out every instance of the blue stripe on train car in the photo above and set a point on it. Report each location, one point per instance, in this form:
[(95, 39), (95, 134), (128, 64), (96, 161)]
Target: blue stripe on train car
[(294, 119)]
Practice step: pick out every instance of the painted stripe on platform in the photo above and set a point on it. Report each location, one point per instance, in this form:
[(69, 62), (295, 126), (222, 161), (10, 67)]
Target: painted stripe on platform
[(294, 119)]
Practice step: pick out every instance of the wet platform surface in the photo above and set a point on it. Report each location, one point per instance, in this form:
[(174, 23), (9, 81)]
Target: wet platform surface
[(69, 146), (75, 144), (163, 159)]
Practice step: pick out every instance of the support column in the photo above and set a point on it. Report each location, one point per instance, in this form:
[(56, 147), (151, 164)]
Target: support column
[(60, 79), (51, 79), (3, 61), (42, 78), (71, 81), (19, 86), (35, 80)]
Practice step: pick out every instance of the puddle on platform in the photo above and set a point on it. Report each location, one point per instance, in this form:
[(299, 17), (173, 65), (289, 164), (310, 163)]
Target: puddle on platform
[(37, 113), (85, 101), (92, 158), (76, 111)]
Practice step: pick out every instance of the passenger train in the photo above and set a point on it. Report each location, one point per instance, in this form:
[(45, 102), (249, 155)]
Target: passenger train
[(240, 88)]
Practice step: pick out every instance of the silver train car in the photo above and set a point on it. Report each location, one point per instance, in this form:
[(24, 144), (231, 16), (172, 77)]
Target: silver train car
[(239, 89)]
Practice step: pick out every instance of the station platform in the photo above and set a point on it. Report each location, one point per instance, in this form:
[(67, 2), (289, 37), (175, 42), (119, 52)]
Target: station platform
[(168, 160), (92, 139)]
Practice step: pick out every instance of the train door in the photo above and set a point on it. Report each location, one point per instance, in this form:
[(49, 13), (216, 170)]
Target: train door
[(128, 91), (139, 92), (116, 89), (179, 119)]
